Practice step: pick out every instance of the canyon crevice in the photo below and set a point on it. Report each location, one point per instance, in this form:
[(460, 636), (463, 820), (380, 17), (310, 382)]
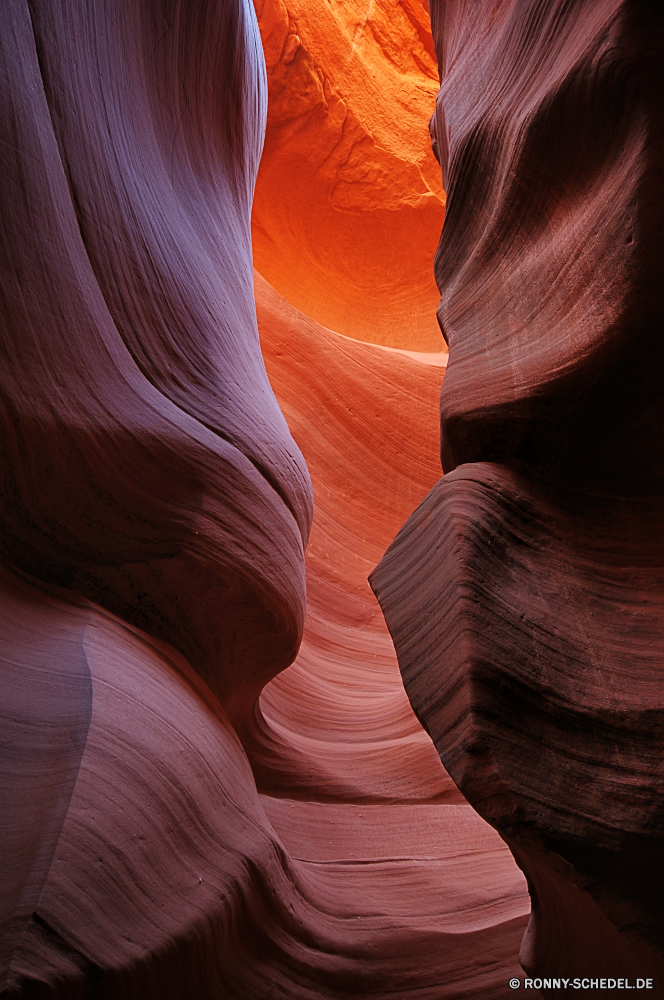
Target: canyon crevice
[(221, 404)]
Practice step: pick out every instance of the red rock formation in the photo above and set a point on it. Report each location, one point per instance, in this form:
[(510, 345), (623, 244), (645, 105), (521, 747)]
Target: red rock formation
[(350, 781), (365, 418), (351, 235), (154, 515), (525, 594), (137, 414), (147, 468)]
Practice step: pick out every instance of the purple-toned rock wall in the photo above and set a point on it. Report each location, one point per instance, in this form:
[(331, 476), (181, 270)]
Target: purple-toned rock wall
[(525, 596)]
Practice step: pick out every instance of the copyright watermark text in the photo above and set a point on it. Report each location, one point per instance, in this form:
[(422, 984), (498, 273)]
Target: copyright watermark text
[(582, 984)]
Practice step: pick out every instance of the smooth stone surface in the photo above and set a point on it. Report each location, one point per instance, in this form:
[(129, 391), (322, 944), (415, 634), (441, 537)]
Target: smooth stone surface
[(524, 595)]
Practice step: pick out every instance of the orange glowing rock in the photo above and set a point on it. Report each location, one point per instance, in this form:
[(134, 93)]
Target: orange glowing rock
[(349, 204)]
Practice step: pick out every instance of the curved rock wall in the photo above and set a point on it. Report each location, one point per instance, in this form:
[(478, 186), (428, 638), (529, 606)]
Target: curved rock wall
[(525, 595), (351, 783), (167, 830), (128, 459), (146, 468)]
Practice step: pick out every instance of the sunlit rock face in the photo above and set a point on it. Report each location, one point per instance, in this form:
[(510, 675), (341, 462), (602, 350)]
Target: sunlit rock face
[(525, 595), (350, 236), (418, 884), (181, 815)]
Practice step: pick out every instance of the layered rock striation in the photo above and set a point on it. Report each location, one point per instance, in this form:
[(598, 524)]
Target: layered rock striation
[(350, 781), (525, 595), (155, 508), (154, 515)]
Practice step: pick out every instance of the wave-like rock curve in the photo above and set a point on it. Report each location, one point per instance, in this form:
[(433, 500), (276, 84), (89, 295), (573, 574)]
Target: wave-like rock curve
[(155, 510), (524, 596)]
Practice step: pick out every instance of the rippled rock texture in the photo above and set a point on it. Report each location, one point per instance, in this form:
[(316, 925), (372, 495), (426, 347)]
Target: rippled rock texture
[(167, 830), (350, 781), (525, 596)]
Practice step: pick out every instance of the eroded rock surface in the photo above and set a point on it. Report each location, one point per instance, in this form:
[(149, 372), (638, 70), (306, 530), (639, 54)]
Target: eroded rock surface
[(525, 596), (351, 783), (350, 238), (155, 511), (148, 472)]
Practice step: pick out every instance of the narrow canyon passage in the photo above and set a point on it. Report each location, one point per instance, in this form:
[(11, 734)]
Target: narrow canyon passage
[(349, 779), (216, 428)]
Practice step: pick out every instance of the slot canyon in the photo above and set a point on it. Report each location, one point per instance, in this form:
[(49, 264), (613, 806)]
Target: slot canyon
[(332, 520)]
